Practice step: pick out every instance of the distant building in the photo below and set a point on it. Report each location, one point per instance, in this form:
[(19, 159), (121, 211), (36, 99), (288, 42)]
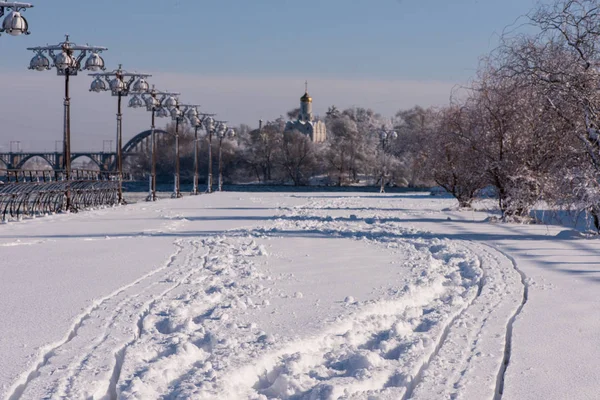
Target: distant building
[(305, 123)]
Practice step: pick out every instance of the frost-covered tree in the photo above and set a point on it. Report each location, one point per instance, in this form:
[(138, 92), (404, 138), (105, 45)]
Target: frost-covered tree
[(261, 148), (298, 157), (364, 144), (502, 135), (561, 63), (413, 126), (450, 159), (342, 135), (332, 112)]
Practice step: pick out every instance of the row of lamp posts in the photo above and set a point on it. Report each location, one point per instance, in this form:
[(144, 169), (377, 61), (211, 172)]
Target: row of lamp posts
[(67, 58), (166, 104), (121, 83)]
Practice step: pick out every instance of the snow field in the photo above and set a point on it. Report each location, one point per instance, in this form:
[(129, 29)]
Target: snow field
[(323, 297)]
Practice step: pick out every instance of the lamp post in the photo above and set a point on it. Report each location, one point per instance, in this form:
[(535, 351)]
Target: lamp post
[(211, 127), (68, 61), (223, 132), (120, 83), (185, 112), (386, 136), (14, 23), (153, 100), (178, 114), (164, 110), (197, 122)]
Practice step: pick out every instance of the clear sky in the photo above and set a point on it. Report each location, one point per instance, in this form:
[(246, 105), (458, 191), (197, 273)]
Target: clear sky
[(248, 59)]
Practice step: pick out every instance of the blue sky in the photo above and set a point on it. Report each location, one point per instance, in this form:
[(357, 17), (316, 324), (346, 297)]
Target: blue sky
[(248, 59)]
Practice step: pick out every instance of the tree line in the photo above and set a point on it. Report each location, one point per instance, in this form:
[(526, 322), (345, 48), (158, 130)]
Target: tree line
[(352, 155), (528, 124)]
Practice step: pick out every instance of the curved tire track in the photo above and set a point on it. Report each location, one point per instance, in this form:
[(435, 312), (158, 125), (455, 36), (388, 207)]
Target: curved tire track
[(479, 340), (39, 380)]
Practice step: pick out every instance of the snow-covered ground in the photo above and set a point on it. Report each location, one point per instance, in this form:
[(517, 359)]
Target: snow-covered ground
[(297, 296)]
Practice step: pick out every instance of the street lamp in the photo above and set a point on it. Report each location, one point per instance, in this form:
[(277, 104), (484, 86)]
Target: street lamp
[(177, 112), (164, 111), (197, 121), (68, 61), (14, 23), (386, 136), (120, 83), (209, 125), (153, 100), (187, 112), (223, 132)]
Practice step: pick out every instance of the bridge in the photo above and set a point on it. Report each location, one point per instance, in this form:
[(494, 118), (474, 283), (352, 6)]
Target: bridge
[(106, 161)]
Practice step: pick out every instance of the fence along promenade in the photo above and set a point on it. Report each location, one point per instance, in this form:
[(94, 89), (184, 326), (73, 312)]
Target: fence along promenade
[(40, 192)]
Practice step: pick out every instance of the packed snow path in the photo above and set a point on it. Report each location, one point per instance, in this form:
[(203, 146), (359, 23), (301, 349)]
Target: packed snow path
[(279, 296)]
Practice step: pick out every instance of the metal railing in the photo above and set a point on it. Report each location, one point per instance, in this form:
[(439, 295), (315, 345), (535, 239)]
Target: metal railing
[(30, 193)]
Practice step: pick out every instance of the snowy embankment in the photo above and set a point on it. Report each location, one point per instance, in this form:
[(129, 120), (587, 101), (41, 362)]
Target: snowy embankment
[(269, 296)]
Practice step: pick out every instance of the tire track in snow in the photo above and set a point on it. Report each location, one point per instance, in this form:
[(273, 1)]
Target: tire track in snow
[(110, 334), (478, 337), (411, 386), (467, 365), (48, 351), (409, 383), (509, 327), (137, 324), (189, 329), (501, 313), (77, 366), (326, 366), (120, 354)]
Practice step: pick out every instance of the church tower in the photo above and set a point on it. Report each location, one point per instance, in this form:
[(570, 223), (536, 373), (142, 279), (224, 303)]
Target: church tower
[(306, 124), (306, 114)]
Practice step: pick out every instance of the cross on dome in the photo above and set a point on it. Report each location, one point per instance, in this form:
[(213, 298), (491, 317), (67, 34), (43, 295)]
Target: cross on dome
[(306, 98)]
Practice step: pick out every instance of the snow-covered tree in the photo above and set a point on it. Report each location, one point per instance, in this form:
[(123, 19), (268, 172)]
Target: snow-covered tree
[(560, 62), (298, 157), (261, 149), (451, 160), (342, 136), (413, 126)]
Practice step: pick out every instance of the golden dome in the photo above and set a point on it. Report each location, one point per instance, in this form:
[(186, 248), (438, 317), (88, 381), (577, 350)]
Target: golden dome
[(306, 98)]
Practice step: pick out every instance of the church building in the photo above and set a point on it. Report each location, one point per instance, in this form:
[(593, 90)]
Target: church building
[(305, 123)]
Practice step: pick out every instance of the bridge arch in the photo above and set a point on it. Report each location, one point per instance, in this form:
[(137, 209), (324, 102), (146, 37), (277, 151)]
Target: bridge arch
[(31, 156), (140, 138), (86, 156)]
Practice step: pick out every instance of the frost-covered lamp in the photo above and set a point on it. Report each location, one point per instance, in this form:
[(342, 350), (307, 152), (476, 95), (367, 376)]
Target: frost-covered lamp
[(67, 57), (120, 83), (14, 23)]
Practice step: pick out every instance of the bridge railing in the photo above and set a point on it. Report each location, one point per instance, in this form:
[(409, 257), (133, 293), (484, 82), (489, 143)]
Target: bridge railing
[(29, 193), (18, 175)]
